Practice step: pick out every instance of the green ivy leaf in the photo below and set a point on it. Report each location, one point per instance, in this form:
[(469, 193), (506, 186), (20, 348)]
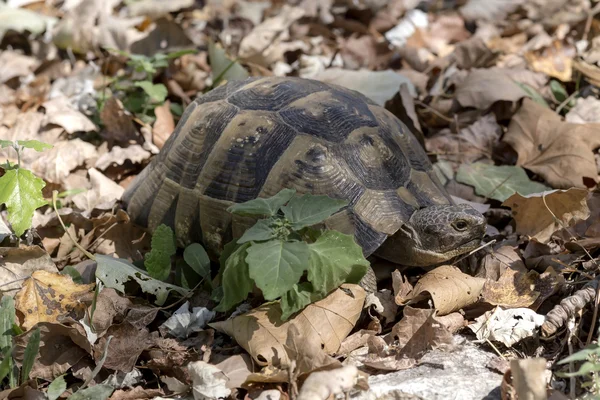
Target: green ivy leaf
[(31, 351), (298, 297), (34, 144), (259, 232), (498, 182), (158, 261), (309, 210), (56, 388), (21, 191), (157, 92), (335, 258), (196, 257), (275, 266), (260, 206), (236, 279)]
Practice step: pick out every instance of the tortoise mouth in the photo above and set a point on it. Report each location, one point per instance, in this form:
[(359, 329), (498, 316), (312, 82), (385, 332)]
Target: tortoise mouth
[(467, 246)]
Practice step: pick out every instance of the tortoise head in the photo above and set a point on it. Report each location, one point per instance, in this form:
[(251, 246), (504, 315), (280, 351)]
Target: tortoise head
[(434, 235)]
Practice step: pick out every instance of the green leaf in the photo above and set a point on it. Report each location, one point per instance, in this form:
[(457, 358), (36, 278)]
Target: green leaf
[(236, 279), (223, 69), (21, 191), (177, 54), (558, 90), (259, 232), (335, 258), (34, 144), (56, 388), (73, 273), (6, 143), (498, 182), (96, 392), (6, 365), (196, 257), (114, 272), (31, 351), (157, 92), (158, 261), (581, 355), (260, 206), (176, 109), (298, 297), (309, 210), (275, 266), (534, 94)]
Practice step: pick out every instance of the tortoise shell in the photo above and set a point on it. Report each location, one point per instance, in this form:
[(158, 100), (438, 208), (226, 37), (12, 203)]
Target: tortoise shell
[(252, 138)]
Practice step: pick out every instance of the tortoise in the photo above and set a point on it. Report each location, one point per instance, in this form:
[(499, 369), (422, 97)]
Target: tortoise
[(252, 138)]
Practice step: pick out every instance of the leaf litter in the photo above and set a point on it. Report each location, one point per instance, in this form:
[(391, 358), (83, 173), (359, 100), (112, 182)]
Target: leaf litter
[(503, 95)]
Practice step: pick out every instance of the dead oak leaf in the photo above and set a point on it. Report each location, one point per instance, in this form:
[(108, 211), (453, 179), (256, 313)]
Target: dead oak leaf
[(17, 263), (164, 125), (48, 296), (514, 289), (482, 88), (540, 215), (262, 333), (559, 151), (56, 164), (127, 344)]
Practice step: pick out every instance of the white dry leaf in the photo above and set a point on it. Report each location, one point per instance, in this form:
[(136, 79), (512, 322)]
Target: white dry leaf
[(383, 304), (271, 394), (489, 10), (153, 9), (585, 110), (59, 111), (208, 381), (407, 26), (507, 326), (252, 10), (13, 64), (183, 322), (118, 155), (56, 164), (379, 86), (312, 65), (262, 41), (323, 384), (103, 194)]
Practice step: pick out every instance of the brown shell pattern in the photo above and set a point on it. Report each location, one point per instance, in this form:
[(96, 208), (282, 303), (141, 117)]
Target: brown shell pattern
[(252, 138)]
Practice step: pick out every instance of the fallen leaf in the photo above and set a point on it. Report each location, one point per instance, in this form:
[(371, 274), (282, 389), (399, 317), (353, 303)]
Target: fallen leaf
[(48, 296), (13, 64), (482, 88), (540, 215), (164, 124), (325, 384), (402, 288), (555, 60), (507, 326), (514, 289), (59, 111), (489, 10), (23, 20), (497, 182), (355, 341), (117, 121), (379, 86), (262, 334), (449, 288), (499, 260), (308, 354), (236, 368), (127, 343), (184, 322), (55, 165), (560, 152), (119, 155), (584, 111), (103, 194), (208, 381), (18, 263), (153, 9)]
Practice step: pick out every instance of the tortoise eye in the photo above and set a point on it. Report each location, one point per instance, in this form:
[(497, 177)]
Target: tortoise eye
[(460, 225)]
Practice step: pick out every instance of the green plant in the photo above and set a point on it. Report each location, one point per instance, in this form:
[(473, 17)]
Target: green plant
[(20, 189), (589, 370), (280, 250), (136, 88)]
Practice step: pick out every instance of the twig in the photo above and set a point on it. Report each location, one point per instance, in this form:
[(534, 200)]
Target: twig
[(566, 101), (433, 110)]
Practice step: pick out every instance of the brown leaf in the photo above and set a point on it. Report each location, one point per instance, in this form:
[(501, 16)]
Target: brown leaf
[(449, 288), (514, 289), (19, 263), (54, 165), (117, 121), (402, 288), (61, 347), (59, 111), (119, 155), (540, 215), (495, 263), (262, 334), (307, 353), (137, 393), (13, 64), (103, 194), (127, 344), (47, 296), (558, 151), (236, 368), (355, 341), (483, 87), (555, 61), (164, 124)]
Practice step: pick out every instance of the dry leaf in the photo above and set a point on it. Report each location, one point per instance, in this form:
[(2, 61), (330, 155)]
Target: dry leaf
[(496, 262), (55, 165), (308, 354), (164, 124), (585, 110), (13, 64), (19, 263), (483, 87), (236, 368), (540, 215), (449, 288), (514, 289), (59, 111), (103, 194), (126, 345), (262, 334), (555, 61), (119, 155), (118, 122), (490, 10), (208, 381), (558, 151), (402, 288), (47, 296), (325, 384), (507, 326)]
